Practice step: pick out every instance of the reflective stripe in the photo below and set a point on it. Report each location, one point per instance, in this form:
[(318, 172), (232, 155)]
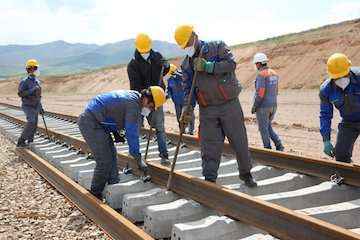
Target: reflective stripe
[(262, 92)]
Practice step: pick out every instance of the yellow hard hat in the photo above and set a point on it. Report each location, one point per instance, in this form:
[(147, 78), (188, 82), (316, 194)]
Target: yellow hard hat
[(158, 95), (31, 63), (171, 70), (143, 43), (183, 34), (338, 65)]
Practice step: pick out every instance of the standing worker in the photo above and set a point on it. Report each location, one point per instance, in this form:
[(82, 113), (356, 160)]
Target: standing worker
[(265, 101), (107, 114), (175, 89), (30, 93), (144, 71), (341, 90), (216, 90)]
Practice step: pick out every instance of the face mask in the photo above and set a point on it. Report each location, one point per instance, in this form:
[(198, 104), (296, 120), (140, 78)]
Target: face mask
[(190, 51), (342, 82), (37, 73), (145, 111), (145, 56)]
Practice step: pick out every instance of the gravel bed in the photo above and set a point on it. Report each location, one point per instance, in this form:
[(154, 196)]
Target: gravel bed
[(30, 208)]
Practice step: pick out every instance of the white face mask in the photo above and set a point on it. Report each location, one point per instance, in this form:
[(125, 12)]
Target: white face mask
[(145, 111), (190, 51), (342, 82), (145, 56), (37, 73)]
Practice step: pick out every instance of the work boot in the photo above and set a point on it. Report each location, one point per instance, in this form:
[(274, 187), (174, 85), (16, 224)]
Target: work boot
[(164, 159), (248, 180), (280, 147), (210, 180), (141, 164), (97, 195), (21, 143)]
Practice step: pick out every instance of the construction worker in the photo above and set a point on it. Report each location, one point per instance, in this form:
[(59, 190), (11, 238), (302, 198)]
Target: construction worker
[(265, 101), (341, 90), (30, 93), (107, 114), (144, 70), (216, 90), (175, 90)]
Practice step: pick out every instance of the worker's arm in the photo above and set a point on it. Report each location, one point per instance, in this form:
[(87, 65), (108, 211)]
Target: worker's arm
[(23, 90), (136, 82), (226, 62), (259, 90), (326, 115), (132, 137)]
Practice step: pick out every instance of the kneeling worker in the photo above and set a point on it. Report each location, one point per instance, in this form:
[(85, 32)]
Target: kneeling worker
[(108, 113)]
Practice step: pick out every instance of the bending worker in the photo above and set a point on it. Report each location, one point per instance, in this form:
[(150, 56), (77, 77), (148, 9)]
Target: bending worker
[(265, 101), (341, 90), (144, 71), (216, 90), (107, 114), (30, 93), (175, 89)]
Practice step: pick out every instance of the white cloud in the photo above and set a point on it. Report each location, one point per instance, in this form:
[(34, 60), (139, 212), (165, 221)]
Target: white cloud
[(99, 21)]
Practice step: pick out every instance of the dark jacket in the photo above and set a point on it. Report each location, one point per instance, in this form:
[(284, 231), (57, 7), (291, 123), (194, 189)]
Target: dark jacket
[(143, 74), (214, 88), (30, 92), (346, 101)]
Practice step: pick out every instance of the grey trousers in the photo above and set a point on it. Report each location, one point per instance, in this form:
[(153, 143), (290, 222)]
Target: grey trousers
[(216, 122), (32, 114), (103, 150), (346, 137)]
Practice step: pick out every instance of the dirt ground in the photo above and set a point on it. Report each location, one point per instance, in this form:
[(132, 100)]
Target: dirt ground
[(32, 209), (296, 121)]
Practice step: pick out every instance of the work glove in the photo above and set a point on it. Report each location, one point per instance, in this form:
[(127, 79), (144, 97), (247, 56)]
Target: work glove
[(186, 115), (253, 110), (201, 65), (140, 163), (329, 149), (117, 137), (35, 90)]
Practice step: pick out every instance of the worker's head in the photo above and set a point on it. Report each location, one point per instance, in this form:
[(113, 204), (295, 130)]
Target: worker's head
[(260, 60), (338, 66), (187, 39), (143, 44), (32, 67), (152, 98)]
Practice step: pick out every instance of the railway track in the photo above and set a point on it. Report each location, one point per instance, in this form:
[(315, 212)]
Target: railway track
[(294, 200)]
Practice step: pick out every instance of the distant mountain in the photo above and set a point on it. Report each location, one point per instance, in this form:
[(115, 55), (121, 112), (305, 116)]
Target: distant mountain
[(60, 57)]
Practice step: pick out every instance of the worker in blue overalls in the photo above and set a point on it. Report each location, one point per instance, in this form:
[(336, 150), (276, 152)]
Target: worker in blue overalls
[(175, 90), (342, 90)]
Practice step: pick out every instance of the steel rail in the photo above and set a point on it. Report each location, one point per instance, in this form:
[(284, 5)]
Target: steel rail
[(302, 164), (274, 219), (114, 224)]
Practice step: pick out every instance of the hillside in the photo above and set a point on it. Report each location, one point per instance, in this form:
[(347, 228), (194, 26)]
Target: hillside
[(299, 59), (60, 57)]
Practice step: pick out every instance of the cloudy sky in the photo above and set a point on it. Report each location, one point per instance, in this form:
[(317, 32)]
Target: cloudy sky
[(105, 21)]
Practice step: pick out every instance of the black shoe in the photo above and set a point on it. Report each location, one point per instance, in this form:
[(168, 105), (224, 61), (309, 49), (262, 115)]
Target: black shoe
[(21, 143), (280, 148), (210, 180), (97, 195), (164, 159), (248, 180)]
